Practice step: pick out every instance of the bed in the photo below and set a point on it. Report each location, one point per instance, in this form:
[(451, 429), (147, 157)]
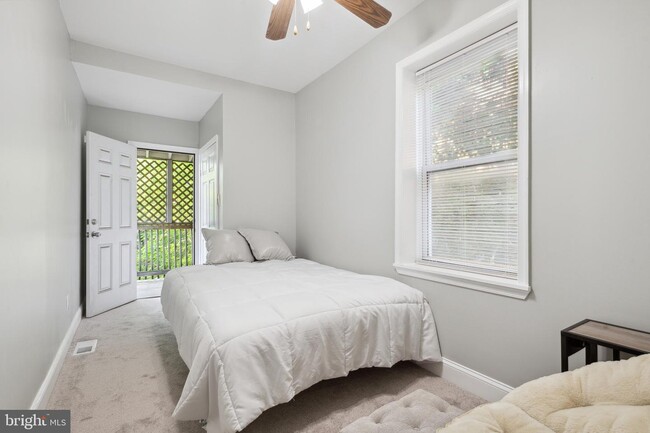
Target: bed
[(253, 335)]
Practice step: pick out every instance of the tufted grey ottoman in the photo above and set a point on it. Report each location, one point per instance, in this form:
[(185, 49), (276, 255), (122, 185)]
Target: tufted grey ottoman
[(420, 412)]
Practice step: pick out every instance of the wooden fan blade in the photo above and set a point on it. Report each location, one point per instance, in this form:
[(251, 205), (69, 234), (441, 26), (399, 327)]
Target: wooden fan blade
[(280, 18), (371, 12)]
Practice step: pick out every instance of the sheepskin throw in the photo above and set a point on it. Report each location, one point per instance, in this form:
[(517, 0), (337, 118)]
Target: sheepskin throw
[(604, 397)]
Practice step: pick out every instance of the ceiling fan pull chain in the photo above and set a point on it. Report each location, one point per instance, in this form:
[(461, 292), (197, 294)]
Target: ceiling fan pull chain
[(295, 22), (308, 21)]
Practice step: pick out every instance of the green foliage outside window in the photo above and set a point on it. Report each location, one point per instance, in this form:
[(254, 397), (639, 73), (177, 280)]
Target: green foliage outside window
[(165, 216)]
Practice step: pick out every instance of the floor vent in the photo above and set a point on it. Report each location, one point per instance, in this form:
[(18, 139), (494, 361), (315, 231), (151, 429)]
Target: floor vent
[(85, 347)]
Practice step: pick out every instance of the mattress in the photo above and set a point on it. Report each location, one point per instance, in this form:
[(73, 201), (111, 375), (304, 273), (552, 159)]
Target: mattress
[(253, 335)]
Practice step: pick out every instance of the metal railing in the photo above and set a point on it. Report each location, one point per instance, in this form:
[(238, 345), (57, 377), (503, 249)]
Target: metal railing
[(163, 247)]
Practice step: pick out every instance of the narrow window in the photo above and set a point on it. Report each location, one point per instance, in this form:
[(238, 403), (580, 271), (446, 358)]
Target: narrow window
[(467, 144)]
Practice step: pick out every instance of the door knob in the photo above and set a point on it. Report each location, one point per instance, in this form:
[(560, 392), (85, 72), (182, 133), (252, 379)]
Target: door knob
[(95, 234)]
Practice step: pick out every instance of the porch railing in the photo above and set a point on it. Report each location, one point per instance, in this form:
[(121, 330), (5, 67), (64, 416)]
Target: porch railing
[(162, 247)]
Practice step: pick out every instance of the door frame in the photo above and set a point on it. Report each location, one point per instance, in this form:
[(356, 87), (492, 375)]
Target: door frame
[(198, 237), (178, 149), (214, 141)]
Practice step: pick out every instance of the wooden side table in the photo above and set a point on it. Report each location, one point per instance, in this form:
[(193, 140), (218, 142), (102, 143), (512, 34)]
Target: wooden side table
[(589, 334)]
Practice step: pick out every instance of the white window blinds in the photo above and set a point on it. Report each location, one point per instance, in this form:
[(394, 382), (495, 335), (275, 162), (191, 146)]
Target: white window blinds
[(467, 141)]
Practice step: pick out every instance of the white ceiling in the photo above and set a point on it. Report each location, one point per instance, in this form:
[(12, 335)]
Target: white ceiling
[(114, 89), (225, 37)]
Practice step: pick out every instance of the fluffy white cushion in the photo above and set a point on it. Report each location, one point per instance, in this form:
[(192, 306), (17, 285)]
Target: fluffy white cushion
[(266, 245), (226, 246), (604, 397)]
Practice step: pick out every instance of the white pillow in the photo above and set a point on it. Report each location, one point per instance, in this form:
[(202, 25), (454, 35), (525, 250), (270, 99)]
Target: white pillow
[(226, 246), (266, 245)]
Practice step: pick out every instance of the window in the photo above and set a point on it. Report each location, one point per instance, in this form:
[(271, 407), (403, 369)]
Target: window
[(466, 126), (463, 152)]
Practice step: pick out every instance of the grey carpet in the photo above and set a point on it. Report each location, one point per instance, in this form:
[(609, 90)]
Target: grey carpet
[(133, 380)]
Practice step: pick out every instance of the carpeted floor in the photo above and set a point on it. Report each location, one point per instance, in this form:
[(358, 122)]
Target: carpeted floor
[(133, 380)]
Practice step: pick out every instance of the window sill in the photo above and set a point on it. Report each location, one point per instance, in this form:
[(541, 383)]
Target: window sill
[(482, 283)]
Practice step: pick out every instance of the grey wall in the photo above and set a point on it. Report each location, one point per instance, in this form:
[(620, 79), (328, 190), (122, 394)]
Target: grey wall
[(590, 204), (126, 125), (212, 123), (41, 115), (258, 138), (258, 151)]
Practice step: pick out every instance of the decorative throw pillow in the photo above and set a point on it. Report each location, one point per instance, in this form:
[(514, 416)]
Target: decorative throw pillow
[(266, 245), (225, 246)]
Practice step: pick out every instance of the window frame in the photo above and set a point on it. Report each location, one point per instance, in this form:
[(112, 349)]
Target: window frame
[(408, 216)]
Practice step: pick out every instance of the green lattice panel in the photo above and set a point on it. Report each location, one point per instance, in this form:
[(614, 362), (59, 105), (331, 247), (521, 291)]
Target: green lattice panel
[(182, 192), (152, 190)]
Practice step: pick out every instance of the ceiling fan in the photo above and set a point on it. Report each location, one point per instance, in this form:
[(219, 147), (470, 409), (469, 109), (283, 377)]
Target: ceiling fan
[(368, 10)]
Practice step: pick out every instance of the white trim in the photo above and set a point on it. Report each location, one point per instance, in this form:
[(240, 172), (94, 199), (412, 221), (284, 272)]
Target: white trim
[(492, 22), (45, 391), (164, 147), (407, 219), (504, 155), (201, 252), (470, 46), (523, 19), (215, 140), (470, 380), (467, 280)]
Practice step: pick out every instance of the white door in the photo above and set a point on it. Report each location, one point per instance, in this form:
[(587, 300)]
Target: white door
[(209, 197), (111, 223)]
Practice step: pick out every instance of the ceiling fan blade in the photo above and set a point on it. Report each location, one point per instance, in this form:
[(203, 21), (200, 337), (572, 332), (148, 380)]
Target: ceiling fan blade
[(371, 12), (280, 18)]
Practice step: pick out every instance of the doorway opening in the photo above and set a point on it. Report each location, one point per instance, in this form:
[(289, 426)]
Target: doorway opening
[(166, 216)]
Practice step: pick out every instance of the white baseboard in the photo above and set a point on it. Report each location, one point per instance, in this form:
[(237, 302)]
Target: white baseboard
[(468, 379), (44, 392)]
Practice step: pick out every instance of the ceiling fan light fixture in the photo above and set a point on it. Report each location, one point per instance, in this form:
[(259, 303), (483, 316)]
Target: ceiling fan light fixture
[(309, 5), (369, 11)]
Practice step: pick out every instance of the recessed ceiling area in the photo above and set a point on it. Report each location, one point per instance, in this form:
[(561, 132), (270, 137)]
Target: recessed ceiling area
[(114, 89), (226, 37)]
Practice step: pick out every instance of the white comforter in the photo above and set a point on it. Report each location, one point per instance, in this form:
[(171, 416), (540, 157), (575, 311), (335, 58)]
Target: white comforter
[(255, 334)]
